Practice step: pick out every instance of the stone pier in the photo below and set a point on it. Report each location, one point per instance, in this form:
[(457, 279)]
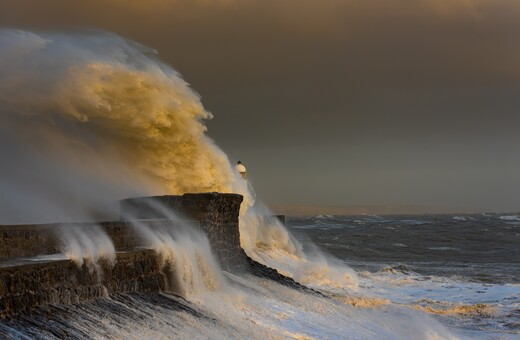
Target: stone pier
[(216, 215), (32, 273)]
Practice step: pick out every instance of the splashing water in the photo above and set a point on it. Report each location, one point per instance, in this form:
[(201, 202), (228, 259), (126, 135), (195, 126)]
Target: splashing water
[(186, 255), (184, 252), (86, 243), (105, 106), (89, 118), (266, 240), (103, 109)]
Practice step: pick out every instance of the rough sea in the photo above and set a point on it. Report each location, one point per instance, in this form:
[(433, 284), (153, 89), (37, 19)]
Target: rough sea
[(138, 127), (464, 270), (397, 277)]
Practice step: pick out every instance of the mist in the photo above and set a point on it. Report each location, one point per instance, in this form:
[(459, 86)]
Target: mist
[(89, 118)]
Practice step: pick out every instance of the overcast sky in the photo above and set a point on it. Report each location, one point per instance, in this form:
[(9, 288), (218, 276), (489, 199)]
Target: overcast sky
[(336, 102)]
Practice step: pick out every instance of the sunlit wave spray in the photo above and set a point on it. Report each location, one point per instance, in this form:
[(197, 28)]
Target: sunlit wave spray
[(266, 240), (111, 100), (90, 118), (106, 114), (185, 257)]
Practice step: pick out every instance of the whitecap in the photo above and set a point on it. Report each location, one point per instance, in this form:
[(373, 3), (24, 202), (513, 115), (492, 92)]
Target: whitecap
[(510, 218)]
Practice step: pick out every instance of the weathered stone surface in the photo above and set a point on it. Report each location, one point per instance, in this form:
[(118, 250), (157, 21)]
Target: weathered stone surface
[(43, 239), (215, 213), (25, 287), (27, 240)]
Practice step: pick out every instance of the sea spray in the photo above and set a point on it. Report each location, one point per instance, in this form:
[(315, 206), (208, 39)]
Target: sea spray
[(266, 240), (98, 105), (101, 107), (184, 252), (115, 122), (185, 255), (53, 170), (89, 118), (40, 188), (86, 244)]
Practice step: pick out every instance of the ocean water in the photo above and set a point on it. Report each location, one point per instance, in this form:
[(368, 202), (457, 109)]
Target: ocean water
[(139, 128), (399, 277), (462, 270)]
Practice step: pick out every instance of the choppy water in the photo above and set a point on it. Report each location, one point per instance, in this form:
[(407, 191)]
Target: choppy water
[(463, 269), (427, 277), (416, 277)]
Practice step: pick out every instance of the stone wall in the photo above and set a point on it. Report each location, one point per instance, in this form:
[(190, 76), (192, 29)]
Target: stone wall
[(215, 214), (43, 239), (26, 283), (24, 287), (27, 240)]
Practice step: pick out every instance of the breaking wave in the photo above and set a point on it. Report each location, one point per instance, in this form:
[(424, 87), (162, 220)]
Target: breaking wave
[(96, 106), (89, 118)]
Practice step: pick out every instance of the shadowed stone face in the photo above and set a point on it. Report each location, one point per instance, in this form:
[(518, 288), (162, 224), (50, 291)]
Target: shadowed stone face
[(216, 215), (25, 287)]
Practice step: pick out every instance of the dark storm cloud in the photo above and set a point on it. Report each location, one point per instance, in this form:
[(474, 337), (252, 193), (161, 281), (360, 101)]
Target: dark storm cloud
[(372, 102)]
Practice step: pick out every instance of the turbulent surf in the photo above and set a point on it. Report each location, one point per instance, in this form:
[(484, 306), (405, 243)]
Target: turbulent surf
[(90, 118)]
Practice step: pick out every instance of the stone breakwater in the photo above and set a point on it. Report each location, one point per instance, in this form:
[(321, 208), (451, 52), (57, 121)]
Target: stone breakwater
[(25, 285), (215, 214), (34, 274)]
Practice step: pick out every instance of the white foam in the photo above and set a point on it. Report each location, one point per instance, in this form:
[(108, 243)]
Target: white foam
[(105, 108), (510, 218), (85, 243), (459, 218), (266, 240), (449, 298)]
